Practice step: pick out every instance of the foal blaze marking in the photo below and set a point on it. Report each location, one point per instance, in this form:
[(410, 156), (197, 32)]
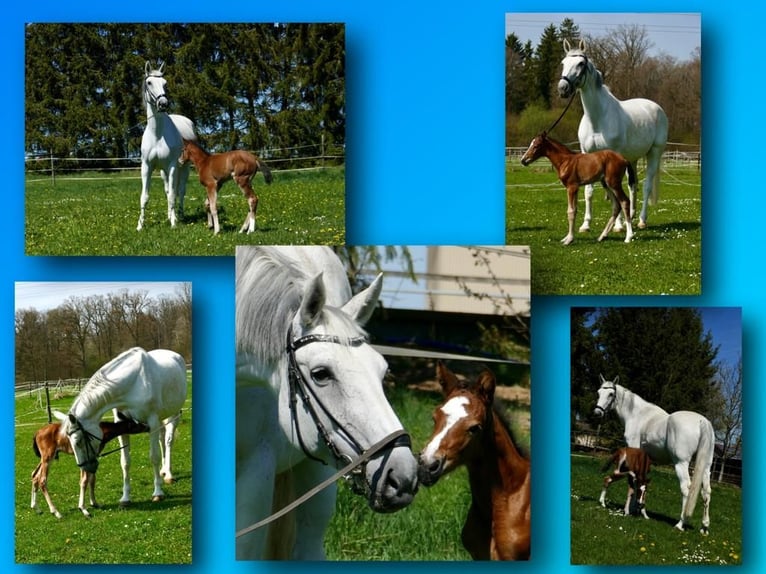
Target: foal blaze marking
[(634, 464), (576, 169), (48, 442), (215, 169), (468, 432)]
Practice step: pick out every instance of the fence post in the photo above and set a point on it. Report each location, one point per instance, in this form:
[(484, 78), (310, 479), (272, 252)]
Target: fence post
[(48, 402), (53, 172)]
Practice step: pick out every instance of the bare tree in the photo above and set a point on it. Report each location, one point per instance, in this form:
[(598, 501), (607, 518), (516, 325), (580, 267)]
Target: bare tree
[(728, 412)]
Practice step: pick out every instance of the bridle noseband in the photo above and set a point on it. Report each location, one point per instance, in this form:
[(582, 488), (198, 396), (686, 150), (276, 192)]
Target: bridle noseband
[(570, 82), (301, 389), (89, 450), (149, 97), (606, 409)]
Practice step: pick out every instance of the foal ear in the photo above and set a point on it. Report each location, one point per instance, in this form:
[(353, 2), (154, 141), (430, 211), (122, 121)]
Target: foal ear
[(314, 296), (362, 305), (446, 378), (59, 415), (485, 386)]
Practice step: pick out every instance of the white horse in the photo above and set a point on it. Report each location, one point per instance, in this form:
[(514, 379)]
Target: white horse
[(309, 399), (635, 128), (147, 387), (667, 439), (162, 144)]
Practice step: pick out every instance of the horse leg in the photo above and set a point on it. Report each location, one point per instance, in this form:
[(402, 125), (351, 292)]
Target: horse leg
[(613, 216), (84, 479), (588, 202), (146, 180), (125, 466), (631, 492), (705, 493), (183, 176), (167, 435), (651, 183), (252, 204), (571, 212), (642, 500), (156, 459), (682, 471), (170, 180), (212, 207), (602, 498)]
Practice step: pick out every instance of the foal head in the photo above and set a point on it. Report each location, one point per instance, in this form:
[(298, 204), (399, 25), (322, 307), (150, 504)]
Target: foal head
[(459, 424), (537, 149)]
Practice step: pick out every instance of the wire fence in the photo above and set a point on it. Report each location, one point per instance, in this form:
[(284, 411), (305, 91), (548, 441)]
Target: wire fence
[(682, 156), (47, 166)]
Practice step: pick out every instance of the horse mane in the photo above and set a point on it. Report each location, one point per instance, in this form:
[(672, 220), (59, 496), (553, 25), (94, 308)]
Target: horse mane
[(269, 291), (497, 412)]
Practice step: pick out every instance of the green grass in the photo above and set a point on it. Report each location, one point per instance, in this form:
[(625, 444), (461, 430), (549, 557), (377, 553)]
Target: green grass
[(79, 216), (144, 533), (604, 536), (664, 258), (428, 529)]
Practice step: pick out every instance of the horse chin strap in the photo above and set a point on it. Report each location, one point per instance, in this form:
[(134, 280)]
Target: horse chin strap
[(301, 389)]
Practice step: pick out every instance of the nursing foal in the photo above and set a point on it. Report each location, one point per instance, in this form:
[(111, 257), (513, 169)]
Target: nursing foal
[(634, 464), (215, 169)]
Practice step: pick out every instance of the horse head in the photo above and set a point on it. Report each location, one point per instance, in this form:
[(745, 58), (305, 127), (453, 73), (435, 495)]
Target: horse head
[(338, 377), (85, 442), (607, 394), (154, 87), (574, 71), (459, 423), (535, 150)]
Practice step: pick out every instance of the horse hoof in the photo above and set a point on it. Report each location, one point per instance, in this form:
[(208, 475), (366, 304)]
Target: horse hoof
[(584, 228), (157, 498), (169, 480), (704, 531), (124, 503), (642, 224)]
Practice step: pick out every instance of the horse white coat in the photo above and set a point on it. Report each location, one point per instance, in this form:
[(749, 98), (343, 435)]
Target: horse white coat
[(305, 288), (635, 128), (162, 144), (668, 439)]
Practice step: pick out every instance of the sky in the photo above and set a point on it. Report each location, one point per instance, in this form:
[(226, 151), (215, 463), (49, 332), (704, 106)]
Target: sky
[(45, 295), (676, 35), (725, 326)]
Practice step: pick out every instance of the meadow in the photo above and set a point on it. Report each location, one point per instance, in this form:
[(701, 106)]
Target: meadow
[(96, 214), (428, 529), (604, 536), (145, 533), (665, 258)]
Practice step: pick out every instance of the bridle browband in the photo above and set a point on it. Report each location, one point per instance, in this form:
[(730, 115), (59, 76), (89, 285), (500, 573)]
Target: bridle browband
[(571, 98), (301, 389), (604, 410), (149, 97), (89, 450)]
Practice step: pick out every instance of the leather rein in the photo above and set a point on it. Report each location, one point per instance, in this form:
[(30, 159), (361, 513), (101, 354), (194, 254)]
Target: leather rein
[(352, 469)]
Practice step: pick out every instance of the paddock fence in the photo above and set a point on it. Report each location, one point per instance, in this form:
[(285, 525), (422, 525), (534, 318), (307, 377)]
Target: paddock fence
[(728, 470), (45, 167)]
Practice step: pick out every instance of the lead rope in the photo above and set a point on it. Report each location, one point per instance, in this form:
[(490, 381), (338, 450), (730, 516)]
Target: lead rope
[(364, 457)]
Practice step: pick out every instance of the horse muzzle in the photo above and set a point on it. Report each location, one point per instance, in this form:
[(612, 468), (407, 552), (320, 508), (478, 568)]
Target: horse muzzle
[(394, 482), (163, 103), (565, 87), (429, 471), (599, 411), (90, 466)]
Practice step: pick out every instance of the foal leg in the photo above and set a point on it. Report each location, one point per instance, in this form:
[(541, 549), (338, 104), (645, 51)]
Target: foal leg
[(212, 207), (252, 204), (571, 212), (615, 212), (84, 480), (588, 202)]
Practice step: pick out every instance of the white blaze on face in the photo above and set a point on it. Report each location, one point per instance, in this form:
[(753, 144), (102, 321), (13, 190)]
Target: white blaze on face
[(454, 410)]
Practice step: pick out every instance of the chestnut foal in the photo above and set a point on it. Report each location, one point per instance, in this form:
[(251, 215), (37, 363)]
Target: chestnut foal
[(634, 464), (468, 431), (576, 169), (215, 169), (48, 442)]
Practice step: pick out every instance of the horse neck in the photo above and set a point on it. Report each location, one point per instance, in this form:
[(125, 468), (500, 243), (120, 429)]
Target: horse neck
[(155, 120), (557, 152), (629, 406), (596, 100), (197, 154)]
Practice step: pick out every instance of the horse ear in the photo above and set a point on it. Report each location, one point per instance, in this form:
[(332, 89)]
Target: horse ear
[(446, 378), (161, 66), (581, 47), (313, 301), (362, 305), (59, 415), (603, 380), (567, 47), (616, 379), (147, 68), (486, 386)]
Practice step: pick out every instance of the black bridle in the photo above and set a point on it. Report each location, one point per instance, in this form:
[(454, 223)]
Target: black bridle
[(609, 405), (301, 389), (571, 98), (90, 452), (149, 97)]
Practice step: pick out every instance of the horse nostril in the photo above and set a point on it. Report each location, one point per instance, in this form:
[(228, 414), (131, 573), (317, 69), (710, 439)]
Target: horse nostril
[(392, 481)]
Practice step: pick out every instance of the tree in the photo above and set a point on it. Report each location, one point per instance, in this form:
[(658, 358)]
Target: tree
[(727, 412)]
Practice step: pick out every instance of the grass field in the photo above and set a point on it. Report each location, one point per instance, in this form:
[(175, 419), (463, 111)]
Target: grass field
[(604, 536), (428, 529), (95, 214), (664, 258), (144, 533)]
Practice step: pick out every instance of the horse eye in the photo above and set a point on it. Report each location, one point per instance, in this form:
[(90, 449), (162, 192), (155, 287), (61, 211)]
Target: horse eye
[(474, 429), (321, 375)]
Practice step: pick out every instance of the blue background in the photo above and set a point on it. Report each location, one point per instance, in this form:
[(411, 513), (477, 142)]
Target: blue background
[(425, 166)]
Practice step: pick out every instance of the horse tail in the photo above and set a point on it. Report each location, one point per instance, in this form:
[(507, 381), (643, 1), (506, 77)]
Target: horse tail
[(705, 451), (281, 536), (632, 178), (35, 447), (267, 177)]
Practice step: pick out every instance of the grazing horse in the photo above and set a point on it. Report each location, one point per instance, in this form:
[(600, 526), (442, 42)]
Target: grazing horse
[(467, 431), (215, 169), (161, 145), (309, 399), (635, 128), (634, 464), (149, 387), (575, 169), (48, 442), (668, 439)]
